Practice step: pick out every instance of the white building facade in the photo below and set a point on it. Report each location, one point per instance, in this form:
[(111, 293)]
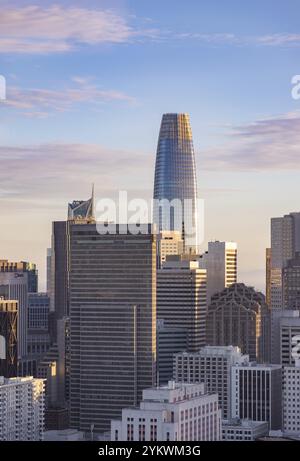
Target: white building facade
[(176, 412), (291, 399), (220, 261), (212, 366), (22, 406)]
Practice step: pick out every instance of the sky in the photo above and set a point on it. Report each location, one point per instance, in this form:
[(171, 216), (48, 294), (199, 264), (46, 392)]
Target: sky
[(88, 81)]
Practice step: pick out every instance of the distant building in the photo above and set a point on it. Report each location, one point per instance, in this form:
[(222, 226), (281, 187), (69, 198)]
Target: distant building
[(212, 366), (243, 430), (49, 268), (291, 283), (169, 341), (220, 262), (21, 409), (38, 338), (17, 279), (239, 316), (257, 393), (168, 243), (176, 412), (181, 299), (8, 338), (268, 276), (285, 326), (285, 243)]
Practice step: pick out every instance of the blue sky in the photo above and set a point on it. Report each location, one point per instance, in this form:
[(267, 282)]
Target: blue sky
[(88, 81)]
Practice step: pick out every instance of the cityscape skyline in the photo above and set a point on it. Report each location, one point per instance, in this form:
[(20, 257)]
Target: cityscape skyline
[(150, 231), (114, 77)]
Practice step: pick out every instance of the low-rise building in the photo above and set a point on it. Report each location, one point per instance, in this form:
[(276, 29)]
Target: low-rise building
[(176, 412)]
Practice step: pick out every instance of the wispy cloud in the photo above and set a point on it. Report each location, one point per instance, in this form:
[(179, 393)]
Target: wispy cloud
[(269, 144), (34, 29), (58, 29), (54, 171), (41, 102)]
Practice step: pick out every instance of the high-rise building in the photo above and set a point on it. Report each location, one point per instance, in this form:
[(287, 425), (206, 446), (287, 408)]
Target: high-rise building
[(175, 180), (168, 243), (212, 366), (8, 338), (59, 300), (17, 279), (291, 283), (38, 338), (220, 262), (80, 210), (257, 393), (291, 399), (239, 316), (268, 276), (285, 329), (285, 242), (21, 409), (112, 322), (181, 299), (176, 412), (48, 270), (170, 340), (289, 338)]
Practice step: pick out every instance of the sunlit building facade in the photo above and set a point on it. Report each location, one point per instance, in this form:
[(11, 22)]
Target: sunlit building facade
[(175, 180)]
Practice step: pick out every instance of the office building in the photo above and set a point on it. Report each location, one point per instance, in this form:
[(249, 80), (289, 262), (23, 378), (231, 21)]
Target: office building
[(220, 262), (21, 409), (291, 283), (175, 180), (8, 338), (170, 340), (48, 272), (239, 316), (38, 338), (291, 399), (268, 276), (285, 243), (176, 412), (181, 299), (257, 393), (285, 328), (212, 366), (168, 243), (17, 279), (243, 430), (112, 322)]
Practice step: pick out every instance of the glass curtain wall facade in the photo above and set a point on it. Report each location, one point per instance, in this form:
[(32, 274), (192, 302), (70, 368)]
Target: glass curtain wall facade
[(175, 185)]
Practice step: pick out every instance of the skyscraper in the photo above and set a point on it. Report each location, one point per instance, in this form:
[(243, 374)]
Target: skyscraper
[(175, 180), (22, 406), (17, 279), (112, 323), (8, 337), (239, 316), (181, 299), (285, 243), (220, 262)]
